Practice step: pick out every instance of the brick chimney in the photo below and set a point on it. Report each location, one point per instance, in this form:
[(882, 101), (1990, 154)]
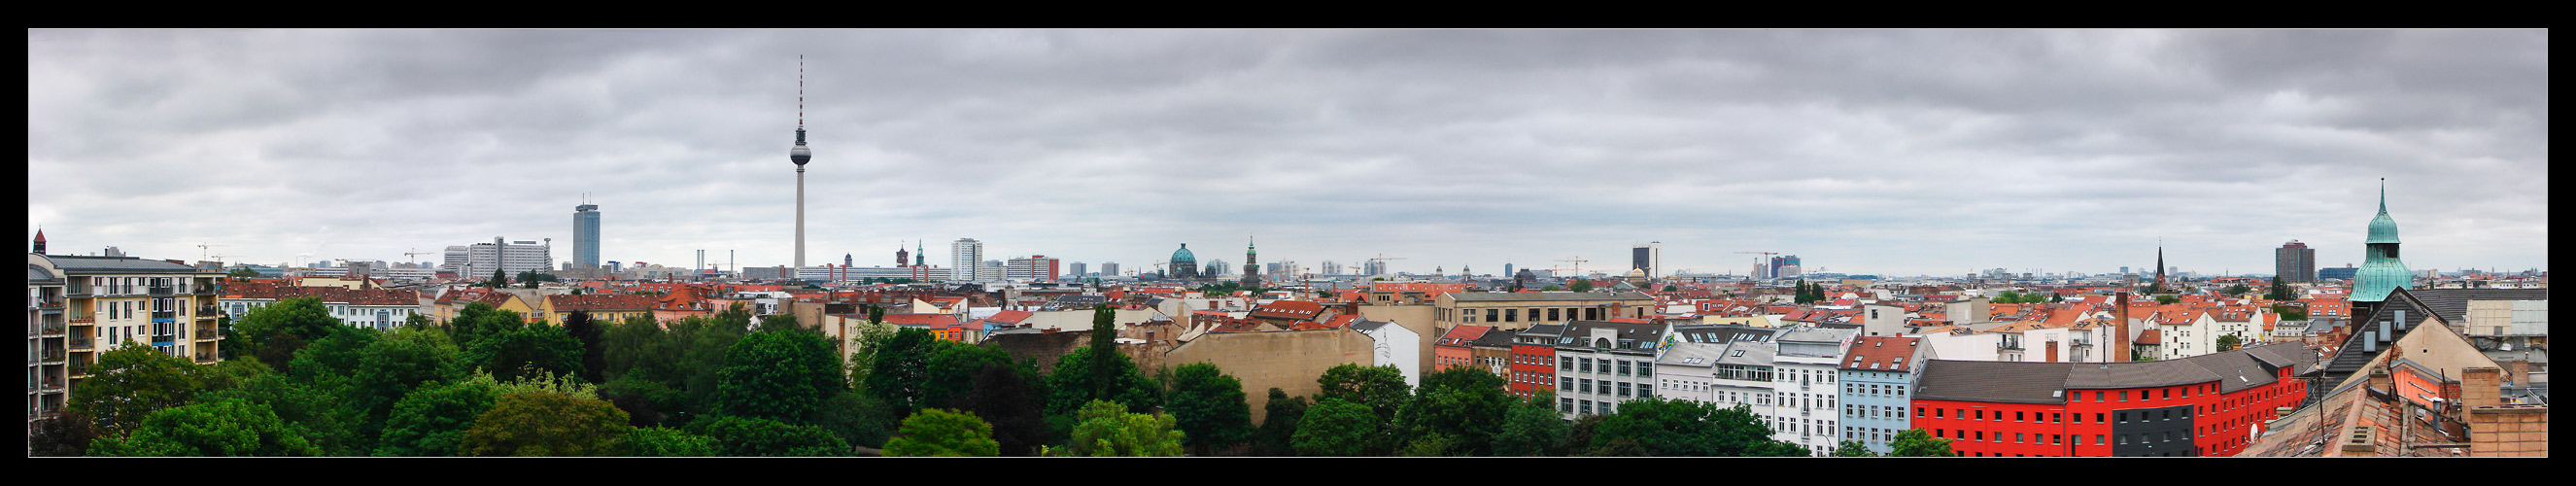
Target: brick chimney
[(2481, 387), (2120, 324)]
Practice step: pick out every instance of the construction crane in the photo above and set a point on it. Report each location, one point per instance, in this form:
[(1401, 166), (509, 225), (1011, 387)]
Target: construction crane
[(1381, 257), (1578, 264), (204, 250), (413, 254), (1758, 263)]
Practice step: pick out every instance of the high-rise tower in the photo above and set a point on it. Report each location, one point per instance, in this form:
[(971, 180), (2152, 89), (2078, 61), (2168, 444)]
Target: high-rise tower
[(585, 236), (800, 155), (2294, 262), (2381, 271)]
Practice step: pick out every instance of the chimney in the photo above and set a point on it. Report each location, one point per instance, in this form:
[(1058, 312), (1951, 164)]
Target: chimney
[(2481, 387), (2120, 333), (2379, 379)]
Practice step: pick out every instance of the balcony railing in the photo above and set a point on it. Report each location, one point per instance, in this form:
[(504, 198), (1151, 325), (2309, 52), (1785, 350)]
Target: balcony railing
[(51, 330), (208, 312), (48, 303), (84, 319), (78, 370), (159, 290), (80, 343), (76, 290), (205, 357), (158, 315)]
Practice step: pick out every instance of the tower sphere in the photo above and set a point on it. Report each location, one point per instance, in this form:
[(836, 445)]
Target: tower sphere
[(800, 154)]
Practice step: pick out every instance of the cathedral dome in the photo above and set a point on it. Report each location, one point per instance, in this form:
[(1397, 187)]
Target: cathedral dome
[(1183, 255)]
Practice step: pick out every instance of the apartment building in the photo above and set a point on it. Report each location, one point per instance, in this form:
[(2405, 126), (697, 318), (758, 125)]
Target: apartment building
[(1534, 360), (369, 308), (1520, 310), (1877, 381), (1807, 364), (2204, 405), (117, 301), (1600, 364)]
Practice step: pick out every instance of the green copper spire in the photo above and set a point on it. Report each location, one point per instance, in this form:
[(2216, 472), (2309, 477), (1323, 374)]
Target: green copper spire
[(2381, 270)]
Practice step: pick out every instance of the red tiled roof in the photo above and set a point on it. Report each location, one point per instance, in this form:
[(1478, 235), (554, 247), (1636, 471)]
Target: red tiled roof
[(327, 294), (1010, 316), (1239, 325), (1288, 309), (1462, 336), (600, 302), (1887, 353), (922, 319), (2149, 337)]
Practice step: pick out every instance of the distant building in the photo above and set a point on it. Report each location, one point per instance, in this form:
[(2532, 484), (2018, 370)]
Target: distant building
[(2344, 273), (1647, 257), (1184, 265), (585, 236), (1080, 269), (1520, 310), (510, 257), (1034, 267), (967, 256), (1613, 362), (2294, 262), (1109, 269)]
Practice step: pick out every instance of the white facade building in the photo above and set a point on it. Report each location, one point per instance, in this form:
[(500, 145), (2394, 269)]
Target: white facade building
[(1397, 346), (510, 257), (1807, 366), (966, 257)]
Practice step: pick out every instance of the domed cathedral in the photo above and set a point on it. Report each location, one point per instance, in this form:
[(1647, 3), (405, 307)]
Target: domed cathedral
[(1185, 266), (2381, 271)]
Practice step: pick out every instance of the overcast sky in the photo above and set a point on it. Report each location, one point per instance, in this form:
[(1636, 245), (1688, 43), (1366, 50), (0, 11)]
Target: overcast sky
[(1885, 152)]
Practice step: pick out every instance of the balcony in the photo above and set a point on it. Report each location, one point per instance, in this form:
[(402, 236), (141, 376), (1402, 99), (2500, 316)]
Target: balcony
[(79, 370), (205, 357), (51, 385), (208, 312), (51, 305), (84, 319), (160, 290), (80, 344), (76, 290)]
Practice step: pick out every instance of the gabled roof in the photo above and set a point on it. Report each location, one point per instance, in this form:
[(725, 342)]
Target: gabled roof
[(1882, 353), (600, 302), (1462, 336), (1497, 338), (1012, 317), (1288, 309), (1992, 381), (2151, 336)]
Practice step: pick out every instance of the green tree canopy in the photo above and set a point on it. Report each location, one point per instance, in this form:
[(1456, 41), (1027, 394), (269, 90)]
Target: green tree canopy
[(396, 363), (1073, 383), (1532, 428), (1661, 427), (779, 375), (662, 442), (1464, 405), (1334, 427), (941, 433), (479, 319), (760, 437), (1209, 407), (1280, 414), (900, 374), (1381, 388), (129, 383), (219, 428), (594, 357), (1852, 448), (547, 424), (431, 421), (524, 350), (2228, 342), (1107, 429), (1917, 443), (273, 333), (1582, 284)]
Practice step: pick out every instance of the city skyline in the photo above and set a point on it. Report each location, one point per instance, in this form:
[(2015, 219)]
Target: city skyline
[(1881, 152)]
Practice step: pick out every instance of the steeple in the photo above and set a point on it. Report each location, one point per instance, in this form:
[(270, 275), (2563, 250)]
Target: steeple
[(40, 240), (2381, 270)]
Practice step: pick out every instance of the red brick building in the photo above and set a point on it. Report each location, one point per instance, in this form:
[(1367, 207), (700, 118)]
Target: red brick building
[(1534, 360), (1456, 348), (2203, 405)]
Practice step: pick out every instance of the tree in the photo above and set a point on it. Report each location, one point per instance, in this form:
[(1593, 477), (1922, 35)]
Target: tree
[(594, 357), (900, 371), (1582, 284), (431, 421), (856, 418), (1852, 448), (1917, 443), (1551, 288), (66, 434), (1280, 415), (219, 428), (1381, 388), (524, 350), (273, 333), (941, 433), (1078, 380), (479, 319), (1532, 428), (1463, 405), (1007, 396), (1335, 428), (129, 383), (1208, 405), (497, 281), (2290, 312), (2281, 292), (779, 375), (2238, 290), (1672, 288), (242, 272), (1106, 429), (662, 442), (389, 368), (2167, 299), (760, 437), (1660, 427), (547, 424), (2227, 342)]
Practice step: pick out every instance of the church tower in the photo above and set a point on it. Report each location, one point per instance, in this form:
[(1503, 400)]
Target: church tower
[(1251, 265), (901, 256), (2381, 272)]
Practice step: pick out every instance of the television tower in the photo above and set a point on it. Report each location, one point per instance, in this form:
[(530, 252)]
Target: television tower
[(799, 155)]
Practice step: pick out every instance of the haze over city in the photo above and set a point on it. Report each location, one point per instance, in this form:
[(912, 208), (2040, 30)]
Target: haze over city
[(1867, 152)]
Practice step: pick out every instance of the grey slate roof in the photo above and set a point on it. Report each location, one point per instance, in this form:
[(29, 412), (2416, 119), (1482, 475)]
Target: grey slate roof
[(38, 275), (1722, 333), (1683, 354), (1818, 335), (75, 264), (1993, 381), (1367, 326), (2453, 304), (1752, 353), (1543, 296)]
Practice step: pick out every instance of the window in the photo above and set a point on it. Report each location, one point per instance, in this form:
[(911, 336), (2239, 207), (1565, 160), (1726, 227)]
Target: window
[(2124, 417), (2017, 416), (2097, 397), (1981, 415), (2054, 417), (2097, 439), (1645, 368), (1918, 412), (2168, 394), (1587, 364), (1587, 385), (2017, 437), (1623, 368), (2124, 395), (1565, 363), (1623, 389), (1565, 405), (2097, 418)]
